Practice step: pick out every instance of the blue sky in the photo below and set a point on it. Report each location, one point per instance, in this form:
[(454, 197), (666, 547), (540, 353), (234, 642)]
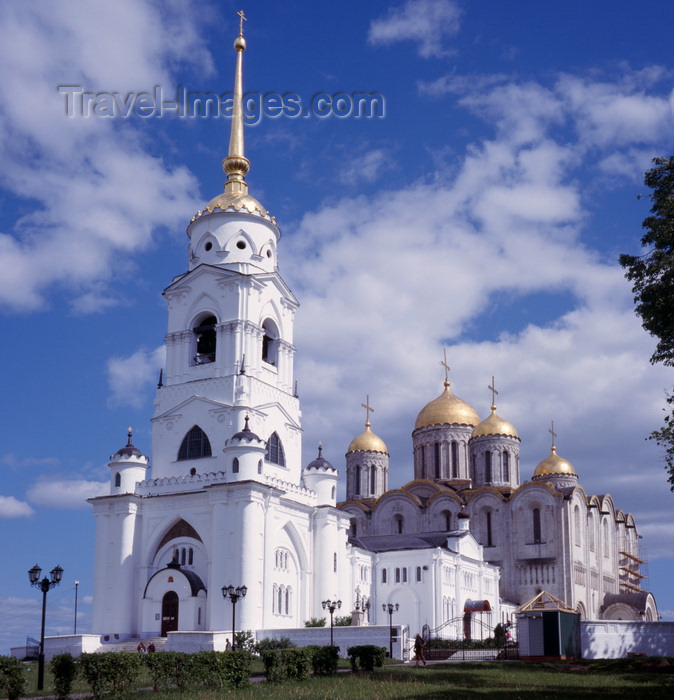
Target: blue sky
[(484, 213)]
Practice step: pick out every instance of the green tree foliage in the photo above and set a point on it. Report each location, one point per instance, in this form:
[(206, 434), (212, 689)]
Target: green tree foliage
[(315, 622), (12, 677), (343, 621), (64, 669), (652, 277)]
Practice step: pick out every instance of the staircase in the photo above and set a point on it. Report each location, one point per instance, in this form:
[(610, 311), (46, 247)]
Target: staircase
[(132, 644)]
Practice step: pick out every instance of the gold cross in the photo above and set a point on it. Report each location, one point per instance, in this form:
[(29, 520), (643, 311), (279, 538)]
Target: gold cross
[(368, 410), (445, 365), (553, 433), (494, 393), (242, 19)]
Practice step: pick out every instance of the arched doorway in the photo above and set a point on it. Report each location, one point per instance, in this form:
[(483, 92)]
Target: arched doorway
[(169, 613)]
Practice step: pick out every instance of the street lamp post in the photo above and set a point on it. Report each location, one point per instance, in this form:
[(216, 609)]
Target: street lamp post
[(331, 606), (44, 585), (390, 607), (77, 584), (234, 594)]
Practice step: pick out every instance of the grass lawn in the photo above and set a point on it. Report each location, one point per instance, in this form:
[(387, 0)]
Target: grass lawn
[(639, 678)]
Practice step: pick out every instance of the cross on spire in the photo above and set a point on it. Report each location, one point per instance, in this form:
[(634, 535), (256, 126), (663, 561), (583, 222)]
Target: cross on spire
[(242, 19), (552, 432), (494, 393), (368, 410), (445, 365)]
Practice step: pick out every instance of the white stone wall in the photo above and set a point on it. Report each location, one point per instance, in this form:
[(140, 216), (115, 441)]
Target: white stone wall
[(618, 639)]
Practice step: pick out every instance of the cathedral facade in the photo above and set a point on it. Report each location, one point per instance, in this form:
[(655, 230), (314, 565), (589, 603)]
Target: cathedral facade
[(227, 500)]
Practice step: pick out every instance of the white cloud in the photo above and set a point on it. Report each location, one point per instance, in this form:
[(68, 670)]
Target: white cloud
[(131, 378), (66, 493), (90, 185), (10, 507), (426, 22)]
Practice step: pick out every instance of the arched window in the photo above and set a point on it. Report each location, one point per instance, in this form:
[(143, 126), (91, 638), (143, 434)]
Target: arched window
[(373, 479), (183, 556), (259, 467), (398, 524), (383, 575), (269, 342), (359, 472), (418, 573), (422, 460), (506, 466), (606, 544), (404, 574), (190, 556), (334, 562), (275, 453), (436, 459), (455, 459), (235, 465), (490, 543), (537, 525), (287, 601), (332, 493), (487, 467), (354, 527), (590, 530), (118, 479), (195, 445), (576, 525), (448, 520), (204, 332), (397, 574)]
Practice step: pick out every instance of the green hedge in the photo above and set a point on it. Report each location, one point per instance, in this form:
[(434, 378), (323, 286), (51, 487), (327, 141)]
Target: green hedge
[(110, 672), (63, 668), (205, 669), (285, 664), (366, 657)]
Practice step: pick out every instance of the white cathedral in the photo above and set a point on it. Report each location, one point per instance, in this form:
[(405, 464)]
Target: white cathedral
[(227, 500)]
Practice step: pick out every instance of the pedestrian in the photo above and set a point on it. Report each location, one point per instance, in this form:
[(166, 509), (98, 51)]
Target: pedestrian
[(228, 646), (141, 647), (150, 647), (419, 645)]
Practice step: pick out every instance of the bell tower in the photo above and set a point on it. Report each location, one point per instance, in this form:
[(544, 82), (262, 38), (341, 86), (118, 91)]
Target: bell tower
[(229, 345)]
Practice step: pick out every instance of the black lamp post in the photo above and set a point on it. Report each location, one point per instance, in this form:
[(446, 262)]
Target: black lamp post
[(331, 606), (44, 585), (77, 585), (390, 607), (234, 594)]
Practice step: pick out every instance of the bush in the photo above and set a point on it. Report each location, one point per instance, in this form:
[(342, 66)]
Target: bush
[(366, 657), (12, 677), (64, 669), (343, 621), (111, 671), (499, 635), (236, 668), (169, 668), (324, 660), (315, 622), (267, 643), (244, 641), (282, 664)]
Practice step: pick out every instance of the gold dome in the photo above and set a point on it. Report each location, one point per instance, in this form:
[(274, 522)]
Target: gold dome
[(236, 201), (367, 441), (493, 424), (554, 464), (447, 409)]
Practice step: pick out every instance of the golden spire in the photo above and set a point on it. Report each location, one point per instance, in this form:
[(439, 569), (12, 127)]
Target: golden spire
[(494, 394), (368, 410), (236, 165)]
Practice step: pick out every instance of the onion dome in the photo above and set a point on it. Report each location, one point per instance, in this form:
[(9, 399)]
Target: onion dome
[(495, 425), (367, 441), (554, 464), (447, 409), (128, 451), (320, 464)]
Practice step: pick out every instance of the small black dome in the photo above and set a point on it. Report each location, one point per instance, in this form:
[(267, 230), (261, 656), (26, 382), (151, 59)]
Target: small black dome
[(320, 463), (129, 450), (246, 434)]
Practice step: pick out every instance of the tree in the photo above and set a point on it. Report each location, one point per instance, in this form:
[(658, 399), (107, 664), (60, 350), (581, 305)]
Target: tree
[(652, 277)]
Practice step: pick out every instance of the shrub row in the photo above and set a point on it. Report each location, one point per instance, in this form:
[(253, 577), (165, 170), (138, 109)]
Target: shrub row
[(116, 672), (294, 664)]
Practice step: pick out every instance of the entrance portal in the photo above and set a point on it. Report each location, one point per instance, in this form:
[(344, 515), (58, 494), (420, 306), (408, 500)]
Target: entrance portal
[(169, 613)]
